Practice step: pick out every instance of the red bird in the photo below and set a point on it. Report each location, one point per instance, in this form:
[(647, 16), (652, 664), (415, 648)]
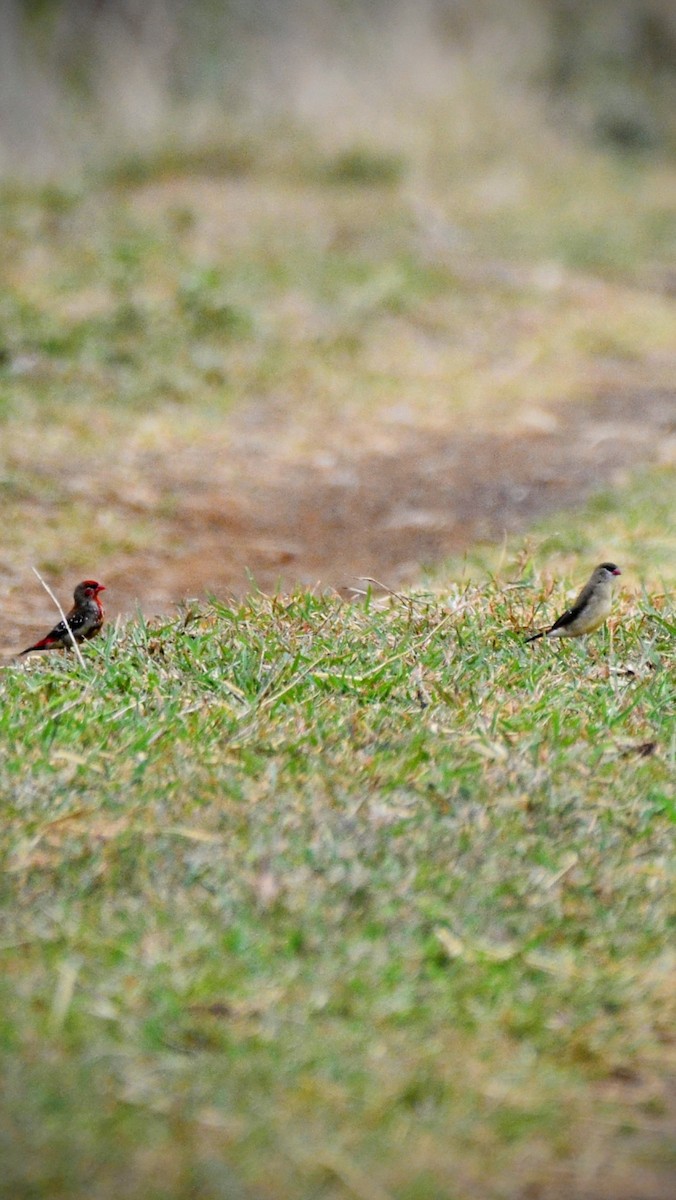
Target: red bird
[(84, 619)]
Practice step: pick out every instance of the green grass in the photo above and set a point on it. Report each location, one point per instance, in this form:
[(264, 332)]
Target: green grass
[(304, 898), (309, 898)]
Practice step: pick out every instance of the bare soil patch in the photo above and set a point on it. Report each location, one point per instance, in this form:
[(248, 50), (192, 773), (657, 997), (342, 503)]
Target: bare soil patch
[(250, 506), (245, 515)]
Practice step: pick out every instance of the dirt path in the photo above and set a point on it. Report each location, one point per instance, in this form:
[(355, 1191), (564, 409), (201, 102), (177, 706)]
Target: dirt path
[(252, 503), (244, 512)]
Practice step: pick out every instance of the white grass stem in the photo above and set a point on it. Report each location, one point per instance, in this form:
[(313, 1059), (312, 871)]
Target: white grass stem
[(49, 592)]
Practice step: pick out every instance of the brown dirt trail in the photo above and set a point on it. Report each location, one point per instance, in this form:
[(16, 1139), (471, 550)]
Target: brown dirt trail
[(246, 515)]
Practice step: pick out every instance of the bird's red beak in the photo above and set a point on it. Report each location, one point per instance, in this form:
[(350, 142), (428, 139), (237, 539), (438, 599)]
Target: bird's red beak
[(101, 587), (617, 571)]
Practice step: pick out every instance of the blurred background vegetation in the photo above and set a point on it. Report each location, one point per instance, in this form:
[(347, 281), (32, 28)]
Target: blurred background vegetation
[(82, 81), (259, 242)]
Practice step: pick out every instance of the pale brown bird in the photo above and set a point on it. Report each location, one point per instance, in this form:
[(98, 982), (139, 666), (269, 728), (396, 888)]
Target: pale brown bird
[(590, 609)]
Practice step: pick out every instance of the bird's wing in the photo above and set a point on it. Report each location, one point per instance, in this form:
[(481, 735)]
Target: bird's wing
[(571, 614), (566, 618), (59, 631), (83, 620), (76, 621)]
